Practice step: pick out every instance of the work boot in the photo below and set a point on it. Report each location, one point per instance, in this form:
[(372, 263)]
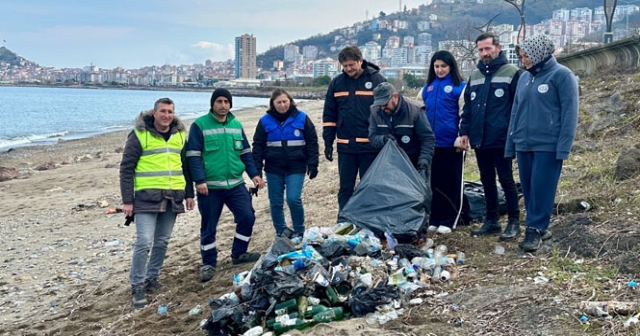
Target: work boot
[(152, 285), (246, 257), (490, 226), (138, 298), (512, 230), (207, 272), (532, 240)]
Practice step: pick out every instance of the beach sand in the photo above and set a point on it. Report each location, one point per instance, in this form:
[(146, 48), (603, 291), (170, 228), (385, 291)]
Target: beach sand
[(65, 260)]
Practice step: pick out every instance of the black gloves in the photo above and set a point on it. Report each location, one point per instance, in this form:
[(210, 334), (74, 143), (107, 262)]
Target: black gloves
[(388, 137), (425, 171), (253, 191), (328, 152), (312, 171)]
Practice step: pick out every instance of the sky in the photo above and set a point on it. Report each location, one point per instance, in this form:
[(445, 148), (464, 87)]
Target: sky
[(138, 33)]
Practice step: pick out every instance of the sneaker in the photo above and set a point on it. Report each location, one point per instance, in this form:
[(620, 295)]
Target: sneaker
[(532, 240), (443, 229), (432, 228), (138, 298), (152, 285), (490, 226), (512, 230), (246, 257), (546, 235), (207, 272)]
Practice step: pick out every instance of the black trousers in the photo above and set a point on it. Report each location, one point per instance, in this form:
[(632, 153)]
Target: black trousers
[(446, 184), (349, 165), (490, 161)]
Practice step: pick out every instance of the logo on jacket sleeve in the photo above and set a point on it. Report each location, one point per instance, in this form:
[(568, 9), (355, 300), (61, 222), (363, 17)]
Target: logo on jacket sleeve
[(473, 95), (448, 88), (239, 144), (296, 133), (499, 93), (405, 139), (543, 88), (368, 85)]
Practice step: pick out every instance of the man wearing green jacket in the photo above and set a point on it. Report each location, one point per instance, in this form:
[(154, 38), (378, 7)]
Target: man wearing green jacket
[(218, 153)]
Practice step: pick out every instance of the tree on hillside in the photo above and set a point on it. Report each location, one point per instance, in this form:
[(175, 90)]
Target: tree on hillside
[(321, 81), (412, 81)]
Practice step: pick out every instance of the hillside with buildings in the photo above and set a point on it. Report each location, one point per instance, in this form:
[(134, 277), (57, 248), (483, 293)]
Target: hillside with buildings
[(401, 43)]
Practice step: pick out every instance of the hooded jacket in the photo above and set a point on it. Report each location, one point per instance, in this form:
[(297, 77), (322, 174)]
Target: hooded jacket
[(151, 200), (545, 109), (488, 99), (285, 148), (346, 110)]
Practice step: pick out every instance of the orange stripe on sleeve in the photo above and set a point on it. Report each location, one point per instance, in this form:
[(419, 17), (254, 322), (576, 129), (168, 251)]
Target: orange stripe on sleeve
[(329, 124), (342, 94), (364, 93)]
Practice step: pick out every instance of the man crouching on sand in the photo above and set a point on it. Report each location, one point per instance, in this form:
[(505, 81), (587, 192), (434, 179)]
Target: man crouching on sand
[(154, 180)]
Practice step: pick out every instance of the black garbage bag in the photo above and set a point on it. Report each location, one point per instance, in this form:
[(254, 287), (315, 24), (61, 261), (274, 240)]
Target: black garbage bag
[(474, 207), (391, 196), (225, 320), (409, 251), (281, 245), (366, 302)]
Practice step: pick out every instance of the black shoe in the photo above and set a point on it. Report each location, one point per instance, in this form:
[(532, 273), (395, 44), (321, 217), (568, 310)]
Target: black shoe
[(246, 257), (512, 230), (152, 285), (490, 226), (138, 298), (546, 235), (207, 272), (532, 240)]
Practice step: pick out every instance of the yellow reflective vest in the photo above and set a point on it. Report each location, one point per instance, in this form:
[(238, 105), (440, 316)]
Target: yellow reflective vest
[(160, 165)]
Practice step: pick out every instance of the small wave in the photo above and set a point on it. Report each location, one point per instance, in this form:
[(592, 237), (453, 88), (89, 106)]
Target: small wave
[(27, 140)]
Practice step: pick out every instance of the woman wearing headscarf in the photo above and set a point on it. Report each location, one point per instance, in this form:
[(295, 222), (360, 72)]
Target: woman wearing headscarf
[(541, 132)]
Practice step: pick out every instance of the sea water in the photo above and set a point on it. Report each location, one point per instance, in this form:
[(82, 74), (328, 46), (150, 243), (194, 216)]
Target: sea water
[(39, 115)]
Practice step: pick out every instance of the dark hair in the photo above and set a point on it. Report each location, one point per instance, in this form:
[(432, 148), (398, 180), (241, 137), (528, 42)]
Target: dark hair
[(277, 93), (446, 57), (350, 53), (495, 40), (162, 101)]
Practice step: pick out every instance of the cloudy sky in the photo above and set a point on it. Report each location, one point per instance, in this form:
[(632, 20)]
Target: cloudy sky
[(136, 33)]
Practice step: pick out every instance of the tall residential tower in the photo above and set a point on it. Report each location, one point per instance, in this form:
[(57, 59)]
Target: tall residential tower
[(246, 57)]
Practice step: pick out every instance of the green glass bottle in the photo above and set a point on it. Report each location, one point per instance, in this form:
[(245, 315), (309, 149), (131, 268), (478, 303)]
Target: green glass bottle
[(286, 325), (273, 321), (313, 310), (332, 295), (332, 314), (285, 307), (303, 303)]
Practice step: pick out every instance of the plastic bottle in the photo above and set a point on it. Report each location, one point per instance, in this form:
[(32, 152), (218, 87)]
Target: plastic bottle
[(440, 251), (286, 325), (424, 263), (409, 272), (313, 300), (333, 314), (461, 258), (436, 273), (291, 268), (285, 307), (353, 242), (295, 255), (428, 244)]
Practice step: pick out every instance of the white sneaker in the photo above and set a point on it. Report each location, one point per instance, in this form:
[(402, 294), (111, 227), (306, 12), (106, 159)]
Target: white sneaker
[(432, 228), (443, 229)]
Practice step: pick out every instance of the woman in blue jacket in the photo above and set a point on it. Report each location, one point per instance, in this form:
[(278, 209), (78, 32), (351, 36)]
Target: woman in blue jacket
[(543, 124), (441, 95), (286, 145)]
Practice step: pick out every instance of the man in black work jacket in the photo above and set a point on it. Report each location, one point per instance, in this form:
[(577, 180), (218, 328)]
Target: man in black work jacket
[(346, 115)]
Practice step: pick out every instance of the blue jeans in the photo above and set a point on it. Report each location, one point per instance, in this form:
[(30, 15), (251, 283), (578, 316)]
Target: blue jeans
[(276, 185), (539, 177), (153, 230)]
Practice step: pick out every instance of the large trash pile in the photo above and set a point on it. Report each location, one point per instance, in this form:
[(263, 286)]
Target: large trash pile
[(328, 274)]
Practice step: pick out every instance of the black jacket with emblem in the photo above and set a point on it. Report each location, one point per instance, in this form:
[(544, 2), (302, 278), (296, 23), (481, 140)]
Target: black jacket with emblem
[(409, 125), (151, 200), (487, 103), (346, 110)]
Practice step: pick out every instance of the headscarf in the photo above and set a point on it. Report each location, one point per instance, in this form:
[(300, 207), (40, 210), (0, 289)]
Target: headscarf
[(538, 48)]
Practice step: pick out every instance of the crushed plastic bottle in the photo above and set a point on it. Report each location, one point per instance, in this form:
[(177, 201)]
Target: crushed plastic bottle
[(461, 258), (197, 310), (291, 268), (409, 272), (428, 244), (440, 251), (499, 250), (424, 263), (392, 242), (305, 253)]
